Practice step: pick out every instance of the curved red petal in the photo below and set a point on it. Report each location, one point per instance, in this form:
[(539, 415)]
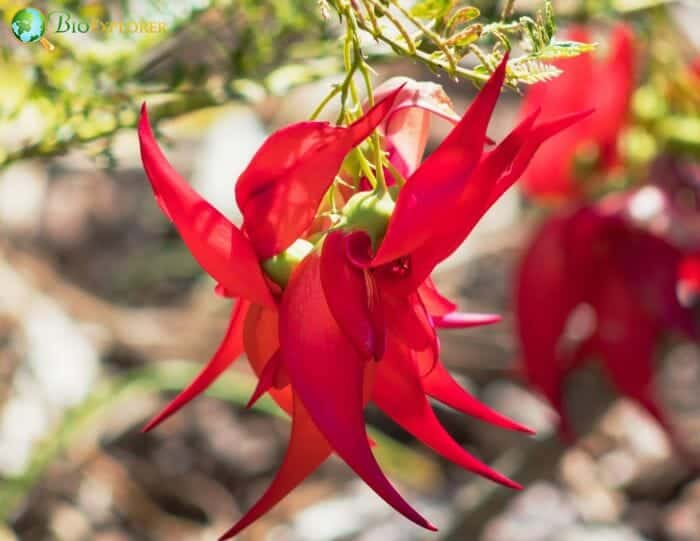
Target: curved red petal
[(407, 320), (432, 190), (436, 304), (461, 320), (347, 295), (498, 171), (217, 245), (267, 378), (229, 350), (553, 275), (261, 340), (398, 393), (282, 187), (406, 126), (626, 338), (306, 451), (439, 384), (328, 375)]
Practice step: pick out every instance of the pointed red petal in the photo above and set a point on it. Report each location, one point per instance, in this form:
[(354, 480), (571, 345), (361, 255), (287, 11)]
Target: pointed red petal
[(436, 304), (399, 393), (307, 450), (433, 189), (406, 126), (498, 171), (554, 276), (540, 134), (229, 350), (267, 378), (345, 288), (468, 204), (626, 338), (282, 187), (439, 384), (461, 320), (260, 337), (217, 245), (328, 376)]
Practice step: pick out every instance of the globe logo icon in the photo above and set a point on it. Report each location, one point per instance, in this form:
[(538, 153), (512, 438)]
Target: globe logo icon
[(29, 25)]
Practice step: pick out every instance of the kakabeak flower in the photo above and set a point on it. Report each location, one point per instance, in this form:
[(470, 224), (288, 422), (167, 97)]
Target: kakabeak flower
[(564, 170), (332, 319), (593, 284)]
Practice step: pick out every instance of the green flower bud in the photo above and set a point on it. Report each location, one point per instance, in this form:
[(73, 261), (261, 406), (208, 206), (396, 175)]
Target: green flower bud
[(279, 267), (370, 212)]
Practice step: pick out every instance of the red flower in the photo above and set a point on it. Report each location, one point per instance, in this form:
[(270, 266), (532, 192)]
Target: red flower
[(689, 276), (593, 284), (331, 326), (605, 85)]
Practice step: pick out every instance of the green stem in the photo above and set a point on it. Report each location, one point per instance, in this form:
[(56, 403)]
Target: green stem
[(325, 101), (411, 46), (422, 56), (436, 39)]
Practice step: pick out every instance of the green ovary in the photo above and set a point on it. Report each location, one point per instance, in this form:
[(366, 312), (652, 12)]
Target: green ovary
[(279, 267)]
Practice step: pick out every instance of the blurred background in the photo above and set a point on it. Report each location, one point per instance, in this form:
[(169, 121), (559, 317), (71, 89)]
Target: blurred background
[(104, 315)]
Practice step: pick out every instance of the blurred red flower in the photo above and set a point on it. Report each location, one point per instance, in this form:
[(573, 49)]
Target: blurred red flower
[(559, 173), (332, 319), (594, 284)]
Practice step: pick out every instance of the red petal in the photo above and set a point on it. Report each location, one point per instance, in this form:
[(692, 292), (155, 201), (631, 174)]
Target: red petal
[(626, 339), (460, 320), (267, 378), (432, 190), (328, 376), (552, 280), (434, 302), (345, 289), (498, 171), (260, 337), (307, 450), (407, 320), (550, 177), (540, 134), (399, 393), (689, 272), (406, 126), (229, 350), (217, 245), (467, 204), (651, 266), (440, 384), (282, 187)]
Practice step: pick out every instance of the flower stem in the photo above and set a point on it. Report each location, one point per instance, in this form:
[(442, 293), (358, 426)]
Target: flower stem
[(325, 101), (436, 39)]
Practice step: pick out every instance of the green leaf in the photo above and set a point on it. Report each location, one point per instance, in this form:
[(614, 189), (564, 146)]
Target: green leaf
[(432, 9), (533, 71), (550, 25), (463, 15), (466, 37), (565, 49), (533, 33)]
